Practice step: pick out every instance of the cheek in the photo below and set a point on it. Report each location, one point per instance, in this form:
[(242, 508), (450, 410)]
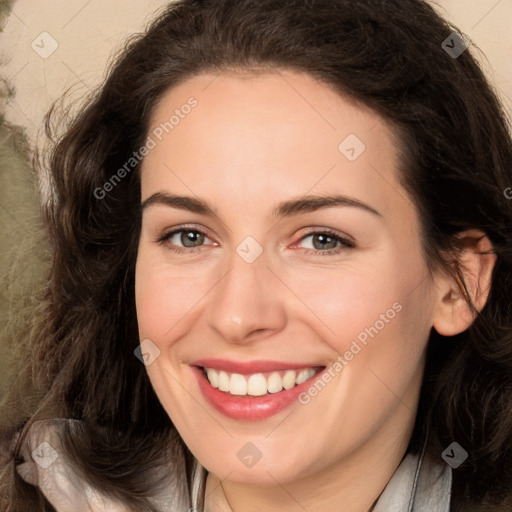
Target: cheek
[(165, 295), (344, 302), (153, 297), (373, 315)]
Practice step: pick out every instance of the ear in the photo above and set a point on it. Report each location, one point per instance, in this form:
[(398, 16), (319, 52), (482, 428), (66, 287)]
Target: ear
[(452, 314)]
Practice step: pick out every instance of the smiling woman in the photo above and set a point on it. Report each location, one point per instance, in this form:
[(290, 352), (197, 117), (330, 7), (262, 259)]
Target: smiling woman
[(312, 266)]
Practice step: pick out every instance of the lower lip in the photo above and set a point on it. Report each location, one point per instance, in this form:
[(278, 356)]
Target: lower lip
[(249, 408)]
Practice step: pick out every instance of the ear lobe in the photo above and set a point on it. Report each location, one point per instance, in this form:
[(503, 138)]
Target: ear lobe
[(476, 263)]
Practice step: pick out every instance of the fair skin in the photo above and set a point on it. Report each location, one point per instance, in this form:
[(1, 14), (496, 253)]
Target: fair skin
[(252, 142)]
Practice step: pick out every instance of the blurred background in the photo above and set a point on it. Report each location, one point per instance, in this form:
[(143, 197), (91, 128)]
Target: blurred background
[(48, 47)]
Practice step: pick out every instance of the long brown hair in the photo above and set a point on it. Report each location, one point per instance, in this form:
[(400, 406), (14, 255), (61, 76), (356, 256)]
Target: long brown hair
[(456, 157)]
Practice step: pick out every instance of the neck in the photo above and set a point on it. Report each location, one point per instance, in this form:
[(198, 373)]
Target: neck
[(355, 482)]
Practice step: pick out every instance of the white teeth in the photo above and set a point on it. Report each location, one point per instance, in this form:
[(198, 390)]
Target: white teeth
[(237, 384), (304, 375), (289, 379), (213, 377), (274, 383), (223, 381), (257, 384)]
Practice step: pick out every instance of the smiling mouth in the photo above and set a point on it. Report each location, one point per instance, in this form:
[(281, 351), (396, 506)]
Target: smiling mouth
[(252, 390), (258, 384)]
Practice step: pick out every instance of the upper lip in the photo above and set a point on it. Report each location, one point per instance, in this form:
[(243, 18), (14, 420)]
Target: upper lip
[(247, 367)]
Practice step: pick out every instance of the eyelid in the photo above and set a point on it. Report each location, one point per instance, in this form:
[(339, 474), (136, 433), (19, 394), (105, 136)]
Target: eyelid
[(316, 230), (347, 242), (166, 234)]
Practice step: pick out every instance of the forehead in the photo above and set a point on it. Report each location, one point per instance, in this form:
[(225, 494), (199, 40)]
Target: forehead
[(269, 134)]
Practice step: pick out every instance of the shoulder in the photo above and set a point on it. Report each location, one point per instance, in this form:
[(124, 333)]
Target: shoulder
[(45, 465)]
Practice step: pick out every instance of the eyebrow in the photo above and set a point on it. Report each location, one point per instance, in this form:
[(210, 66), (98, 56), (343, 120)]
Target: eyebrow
[(285, 209)]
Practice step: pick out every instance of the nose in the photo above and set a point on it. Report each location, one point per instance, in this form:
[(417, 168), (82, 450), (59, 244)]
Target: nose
[(247, 303)]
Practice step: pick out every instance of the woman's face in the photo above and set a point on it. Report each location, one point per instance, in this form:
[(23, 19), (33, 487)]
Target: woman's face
[(277, 247)]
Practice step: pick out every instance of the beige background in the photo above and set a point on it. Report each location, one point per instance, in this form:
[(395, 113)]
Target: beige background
[(87, 31)]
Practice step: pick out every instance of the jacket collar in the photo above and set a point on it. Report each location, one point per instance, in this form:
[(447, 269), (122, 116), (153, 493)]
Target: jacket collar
[(420, 484)]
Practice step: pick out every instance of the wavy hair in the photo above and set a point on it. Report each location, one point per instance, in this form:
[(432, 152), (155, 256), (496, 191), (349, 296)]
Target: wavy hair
[(455, 163)]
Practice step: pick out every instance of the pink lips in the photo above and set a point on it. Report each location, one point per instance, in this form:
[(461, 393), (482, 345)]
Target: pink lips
[(249, 408)]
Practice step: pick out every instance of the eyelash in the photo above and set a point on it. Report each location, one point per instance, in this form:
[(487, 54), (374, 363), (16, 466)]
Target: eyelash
[(346, 243)]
